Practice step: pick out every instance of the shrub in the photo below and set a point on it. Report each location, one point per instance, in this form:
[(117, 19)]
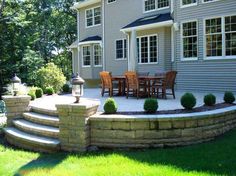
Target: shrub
[(32, 95), (50, 76), (150, 105), (39, 92), (110, 106), (49, 90), (210, 100), (229, 97), (188, 101), (66, 88)]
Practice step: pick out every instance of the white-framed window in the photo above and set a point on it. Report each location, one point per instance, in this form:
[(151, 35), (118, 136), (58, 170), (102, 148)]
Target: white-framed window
[(93, 16), (97, 51), (188, 3), (110, 1), (151, 5), (121, 49), (189, 41), (86, 52), (147, 49), (220, 37), (206, 1)]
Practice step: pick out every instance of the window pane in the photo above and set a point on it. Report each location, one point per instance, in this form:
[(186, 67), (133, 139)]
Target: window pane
[(89, 17), (86, 56), (144, 50), (97, 16), (149, 5), (162, 3), (190, 44), (119, 49), (97, 55), (153, 49), (187, 2), (125, 48)]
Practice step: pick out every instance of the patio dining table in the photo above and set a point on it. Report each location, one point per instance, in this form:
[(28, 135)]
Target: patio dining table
[(147, 79)]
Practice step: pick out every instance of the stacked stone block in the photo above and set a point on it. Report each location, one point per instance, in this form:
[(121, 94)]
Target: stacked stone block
[(74, 125), (16, 105)]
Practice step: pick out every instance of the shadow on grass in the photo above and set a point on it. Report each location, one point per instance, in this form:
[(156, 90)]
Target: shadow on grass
[(217, 157)]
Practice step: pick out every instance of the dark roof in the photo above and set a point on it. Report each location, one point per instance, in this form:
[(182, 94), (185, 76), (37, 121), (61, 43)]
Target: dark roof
[(92, 38), (149, 20)]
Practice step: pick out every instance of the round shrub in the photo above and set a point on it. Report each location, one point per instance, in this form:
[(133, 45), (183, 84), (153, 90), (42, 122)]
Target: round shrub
[(39, 92), (66, 88), (50, 76), (188, 101), (49, 90), (229, 97), (150, 105), (32, 95), (110, 106), (210, 100)]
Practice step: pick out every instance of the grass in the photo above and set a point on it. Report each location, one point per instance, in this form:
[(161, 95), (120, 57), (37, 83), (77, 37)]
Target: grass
[(212, 158)]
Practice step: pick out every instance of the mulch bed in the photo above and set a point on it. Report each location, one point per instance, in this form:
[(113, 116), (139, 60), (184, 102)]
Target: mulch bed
[(180, 111)]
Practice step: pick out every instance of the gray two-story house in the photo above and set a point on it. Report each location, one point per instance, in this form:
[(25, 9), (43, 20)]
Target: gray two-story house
[(197, 38)]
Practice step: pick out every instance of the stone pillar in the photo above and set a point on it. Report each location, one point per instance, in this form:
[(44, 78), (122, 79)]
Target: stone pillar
[(15, 106), (74, 128)]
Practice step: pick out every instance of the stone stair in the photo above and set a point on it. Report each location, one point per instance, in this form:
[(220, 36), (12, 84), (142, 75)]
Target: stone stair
[(37, 130)]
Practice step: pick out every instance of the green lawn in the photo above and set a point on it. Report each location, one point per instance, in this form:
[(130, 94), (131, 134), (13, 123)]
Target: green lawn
[(212, 158)]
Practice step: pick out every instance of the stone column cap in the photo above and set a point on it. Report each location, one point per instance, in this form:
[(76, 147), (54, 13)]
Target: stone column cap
[(85, 103), (11, 97)]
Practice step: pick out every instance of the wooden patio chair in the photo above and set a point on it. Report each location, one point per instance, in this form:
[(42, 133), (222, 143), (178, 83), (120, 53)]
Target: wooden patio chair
[(167, 83), (107, 83), (132, 83)]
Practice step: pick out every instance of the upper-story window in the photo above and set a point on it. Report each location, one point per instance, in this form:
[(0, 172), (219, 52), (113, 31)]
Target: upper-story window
[(189, 40), (150, 5), (185, 3), (93, 16), (220, 37), (110, 1)]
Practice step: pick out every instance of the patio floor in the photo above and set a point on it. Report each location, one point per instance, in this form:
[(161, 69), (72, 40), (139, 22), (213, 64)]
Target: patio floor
[(131, 104)]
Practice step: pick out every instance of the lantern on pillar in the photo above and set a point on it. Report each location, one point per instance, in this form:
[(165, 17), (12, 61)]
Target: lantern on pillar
[(77, 87), (15, 84)]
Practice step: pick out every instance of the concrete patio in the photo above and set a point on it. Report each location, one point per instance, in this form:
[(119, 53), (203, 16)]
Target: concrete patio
[(131, 104)]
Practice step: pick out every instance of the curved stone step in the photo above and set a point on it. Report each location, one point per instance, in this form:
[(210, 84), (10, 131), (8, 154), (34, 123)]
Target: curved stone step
[(32, 142), (34, 128), (40, 110), (41, 119)]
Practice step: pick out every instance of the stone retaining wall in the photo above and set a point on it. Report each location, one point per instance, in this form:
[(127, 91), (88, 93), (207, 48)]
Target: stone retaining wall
[(117, 131)]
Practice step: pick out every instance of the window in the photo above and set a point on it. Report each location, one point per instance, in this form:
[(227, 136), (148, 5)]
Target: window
[(97, 55), (213, 37), (209, 0), (121, 49), (188, 2), (220, 37), (93, 16), (86, 56), (147, 47), (230, 35), (189, 40), (150, 5), (110, 1)]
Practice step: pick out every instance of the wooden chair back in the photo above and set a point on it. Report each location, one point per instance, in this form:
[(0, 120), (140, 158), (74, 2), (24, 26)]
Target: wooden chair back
[(170, 79), (106, 79), (131, 79)]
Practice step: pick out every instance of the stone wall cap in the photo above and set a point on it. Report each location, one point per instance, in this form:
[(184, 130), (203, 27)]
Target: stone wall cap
[(100, 116), (84, 103), (16, 97)]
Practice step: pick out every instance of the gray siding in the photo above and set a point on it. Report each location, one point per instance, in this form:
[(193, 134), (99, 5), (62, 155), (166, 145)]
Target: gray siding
[(204, 75)]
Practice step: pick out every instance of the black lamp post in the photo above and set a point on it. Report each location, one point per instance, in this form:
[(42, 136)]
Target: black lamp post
[(15, 84), (77, 87)]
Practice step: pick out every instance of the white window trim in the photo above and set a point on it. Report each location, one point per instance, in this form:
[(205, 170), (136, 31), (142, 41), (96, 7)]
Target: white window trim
[(182, 45), (188, 5), (209, 1), (86, 66), (123, 41), (94, 25), (148, 63), (223, 57), (156, 9), (110, 2), (94, 55)]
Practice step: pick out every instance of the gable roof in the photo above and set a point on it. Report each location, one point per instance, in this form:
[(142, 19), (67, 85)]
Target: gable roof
[(149, 20)]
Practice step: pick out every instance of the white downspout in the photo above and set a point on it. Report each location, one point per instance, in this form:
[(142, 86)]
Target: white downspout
[(103, 35), (78, 39)]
